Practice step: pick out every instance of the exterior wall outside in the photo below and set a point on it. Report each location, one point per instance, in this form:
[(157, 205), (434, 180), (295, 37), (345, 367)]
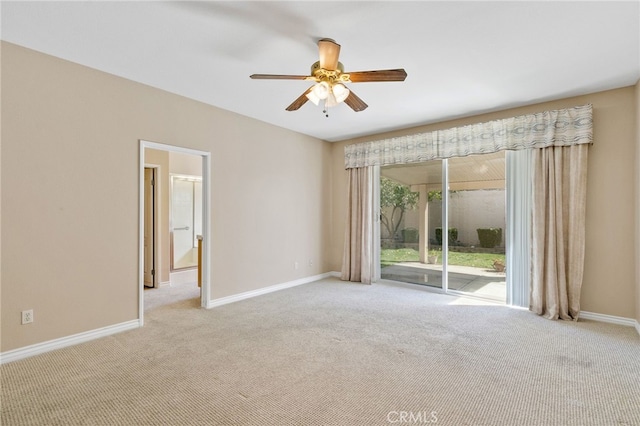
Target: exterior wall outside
[(609, 285), (70, 152), (468, 211)]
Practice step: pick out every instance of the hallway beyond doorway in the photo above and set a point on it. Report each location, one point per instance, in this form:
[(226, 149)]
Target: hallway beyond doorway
[(171, 294)]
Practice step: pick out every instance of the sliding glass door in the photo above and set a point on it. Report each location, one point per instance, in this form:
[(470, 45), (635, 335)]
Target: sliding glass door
[(442, 224)]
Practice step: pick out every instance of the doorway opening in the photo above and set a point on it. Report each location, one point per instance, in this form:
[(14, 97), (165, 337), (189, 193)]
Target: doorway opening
[(161, 279)]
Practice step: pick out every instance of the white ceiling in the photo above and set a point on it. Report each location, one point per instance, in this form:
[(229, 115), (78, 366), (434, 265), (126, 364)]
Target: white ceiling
[(462, 58)]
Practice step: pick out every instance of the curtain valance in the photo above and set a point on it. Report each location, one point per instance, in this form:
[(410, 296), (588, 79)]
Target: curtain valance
[(563, 127)]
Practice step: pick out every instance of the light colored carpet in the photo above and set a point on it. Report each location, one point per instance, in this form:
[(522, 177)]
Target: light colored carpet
[(335, 353), (167, 295)]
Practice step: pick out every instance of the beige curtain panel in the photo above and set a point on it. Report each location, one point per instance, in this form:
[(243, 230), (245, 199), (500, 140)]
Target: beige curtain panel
[(358, 245), (563, 127), (558, 228)]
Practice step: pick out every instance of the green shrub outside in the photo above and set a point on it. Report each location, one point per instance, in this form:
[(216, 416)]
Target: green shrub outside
[(453, 236), (489, 237)]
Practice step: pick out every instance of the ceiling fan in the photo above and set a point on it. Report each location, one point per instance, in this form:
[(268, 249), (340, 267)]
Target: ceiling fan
[(329, 76)]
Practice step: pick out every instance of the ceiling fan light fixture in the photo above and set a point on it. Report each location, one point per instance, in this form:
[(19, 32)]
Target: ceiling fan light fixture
[(331, 101), (321, 90), (340, 92), (313, 98)]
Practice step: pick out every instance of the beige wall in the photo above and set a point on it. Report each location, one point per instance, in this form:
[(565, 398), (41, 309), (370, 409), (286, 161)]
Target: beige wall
[(185, 164), (637, 211), (609, 280), (1, 134), (70, 153)]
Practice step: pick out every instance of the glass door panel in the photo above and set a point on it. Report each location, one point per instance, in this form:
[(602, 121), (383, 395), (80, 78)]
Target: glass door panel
[(410, 204), (477, 224)]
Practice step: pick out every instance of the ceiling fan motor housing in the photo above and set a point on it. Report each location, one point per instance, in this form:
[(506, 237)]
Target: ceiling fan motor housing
[(330, 76)]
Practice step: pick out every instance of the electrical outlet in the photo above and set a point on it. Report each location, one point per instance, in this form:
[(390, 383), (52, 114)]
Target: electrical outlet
[(310, 263), (27, 316), (296, 265)]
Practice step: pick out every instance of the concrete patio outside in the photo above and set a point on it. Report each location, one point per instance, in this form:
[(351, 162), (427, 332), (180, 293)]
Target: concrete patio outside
[(480, 282)]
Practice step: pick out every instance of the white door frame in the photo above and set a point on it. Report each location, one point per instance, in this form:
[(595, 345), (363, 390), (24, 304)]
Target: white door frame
[(206, 220)]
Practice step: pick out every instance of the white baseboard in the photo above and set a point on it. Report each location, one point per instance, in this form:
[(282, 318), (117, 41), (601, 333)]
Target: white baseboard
[(63, 342), (253, 293), (638, 327), (610, 319), (164, 284)]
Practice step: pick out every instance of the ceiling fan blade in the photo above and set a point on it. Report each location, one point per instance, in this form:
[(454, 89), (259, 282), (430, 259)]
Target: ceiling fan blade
[(329, 52), (381, 75), (302, 99), (355, 103), (278, 77)]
